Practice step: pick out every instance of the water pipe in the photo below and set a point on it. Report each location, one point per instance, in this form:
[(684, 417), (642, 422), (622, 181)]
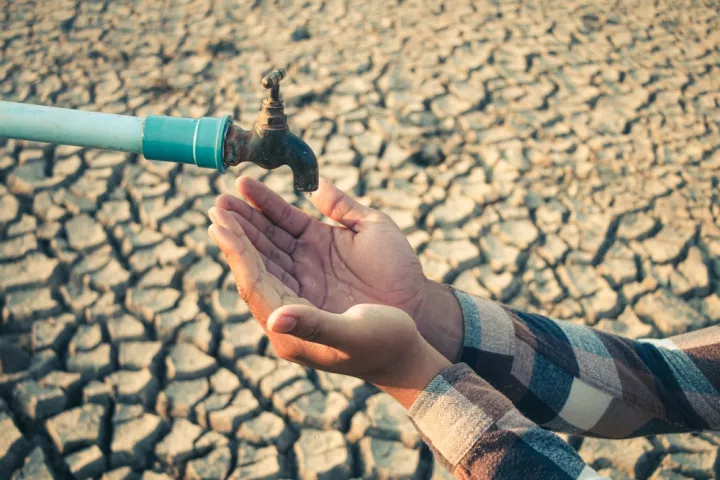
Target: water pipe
[(206, 142)]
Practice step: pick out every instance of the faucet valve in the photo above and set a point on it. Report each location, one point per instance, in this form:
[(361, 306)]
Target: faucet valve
[(272, 111)]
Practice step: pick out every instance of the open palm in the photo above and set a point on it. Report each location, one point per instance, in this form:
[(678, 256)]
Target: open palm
[(316, 289), (366, 260)]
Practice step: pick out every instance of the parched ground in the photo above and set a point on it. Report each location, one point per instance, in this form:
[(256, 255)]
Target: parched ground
[(562, 157)]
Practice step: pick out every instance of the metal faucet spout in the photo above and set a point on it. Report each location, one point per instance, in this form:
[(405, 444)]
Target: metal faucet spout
[(271, 144), (271, 150), (303, 163)]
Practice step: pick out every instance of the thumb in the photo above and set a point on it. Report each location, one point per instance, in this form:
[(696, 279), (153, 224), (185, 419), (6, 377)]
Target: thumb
[(359, 325), (311, 324), (341, 207)]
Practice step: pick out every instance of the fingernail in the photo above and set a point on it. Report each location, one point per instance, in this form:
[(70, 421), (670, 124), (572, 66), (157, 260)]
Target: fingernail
[(211, 214), (284, 324), (231, 223), (220, 215), (211, 232)]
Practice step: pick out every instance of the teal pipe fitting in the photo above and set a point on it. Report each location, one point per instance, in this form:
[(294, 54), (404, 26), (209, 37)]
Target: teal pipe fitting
[(186, 140)]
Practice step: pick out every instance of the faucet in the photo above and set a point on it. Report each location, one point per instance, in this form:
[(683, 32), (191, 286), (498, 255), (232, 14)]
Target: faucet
[(270, 143), (206, 142)]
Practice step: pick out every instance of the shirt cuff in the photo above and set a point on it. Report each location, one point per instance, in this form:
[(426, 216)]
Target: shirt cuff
[(454, 411), (488, 328)]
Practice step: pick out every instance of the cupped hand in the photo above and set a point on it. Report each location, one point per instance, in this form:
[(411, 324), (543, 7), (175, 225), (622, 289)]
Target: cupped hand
[(364, 260), (376, 343)]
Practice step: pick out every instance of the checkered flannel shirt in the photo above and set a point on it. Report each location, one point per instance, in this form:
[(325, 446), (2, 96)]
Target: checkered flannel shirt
[(522, 376)]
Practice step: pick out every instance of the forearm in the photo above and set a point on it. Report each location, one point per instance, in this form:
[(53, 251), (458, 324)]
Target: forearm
[(578, 380), (476, 432)]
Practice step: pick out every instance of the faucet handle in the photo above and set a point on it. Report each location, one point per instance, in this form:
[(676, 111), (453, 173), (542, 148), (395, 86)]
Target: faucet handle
[(273, 78), (272, 82)]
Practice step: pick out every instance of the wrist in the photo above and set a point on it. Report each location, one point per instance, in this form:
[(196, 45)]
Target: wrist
[(440, 320), (410, 376)]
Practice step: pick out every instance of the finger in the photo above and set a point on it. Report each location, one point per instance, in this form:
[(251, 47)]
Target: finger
[(264, 245), (274, 207), (247, 267), (341, 207), (282, 275), (222, 217), (262, 242), (262, 291), (336, 330), (277, 235)]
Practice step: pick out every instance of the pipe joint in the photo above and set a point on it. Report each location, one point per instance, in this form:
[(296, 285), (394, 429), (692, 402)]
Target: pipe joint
[(184, 140)]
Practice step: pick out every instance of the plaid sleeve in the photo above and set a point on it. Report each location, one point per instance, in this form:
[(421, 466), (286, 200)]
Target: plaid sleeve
[(574, 379), (476, 433)]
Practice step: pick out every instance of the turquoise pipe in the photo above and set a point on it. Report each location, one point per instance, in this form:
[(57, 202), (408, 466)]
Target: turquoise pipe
[(157, 137)]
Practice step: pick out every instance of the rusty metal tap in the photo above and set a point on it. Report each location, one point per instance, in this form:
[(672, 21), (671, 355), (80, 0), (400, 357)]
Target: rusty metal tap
[(271, 144)]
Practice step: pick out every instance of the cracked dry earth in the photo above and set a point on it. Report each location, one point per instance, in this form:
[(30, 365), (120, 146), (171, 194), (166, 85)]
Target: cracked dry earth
[(558, 156)]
